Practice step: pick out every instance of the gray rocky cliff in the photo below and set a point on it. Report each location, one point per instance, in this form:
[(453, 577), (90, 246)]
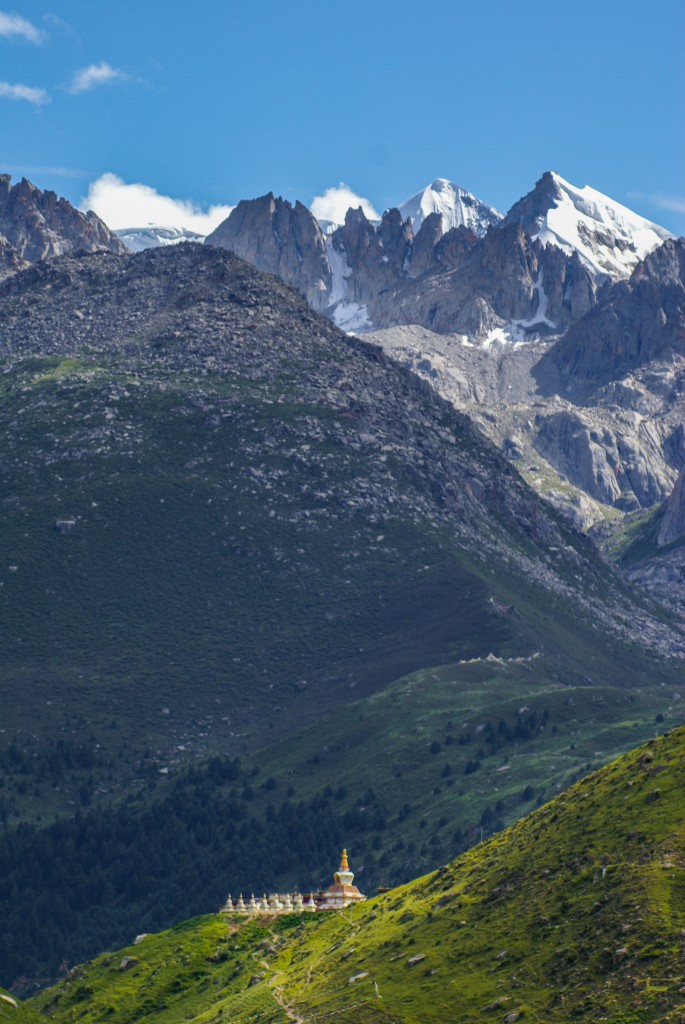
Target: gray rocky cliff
[(40, 225), (375, 258), (621, 463), (474, 286), (639, 322), (530, 210), (673, 522), (423, 251), (10, 260), (282, 239)]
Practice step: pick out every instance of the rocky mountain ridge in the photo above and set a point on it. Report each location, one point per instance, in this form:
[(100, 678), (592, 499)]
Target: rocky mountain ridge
[(407, 268), (603, 402), (38, 225), (438, 264), (594, 414), (193, 307), (609, 238)]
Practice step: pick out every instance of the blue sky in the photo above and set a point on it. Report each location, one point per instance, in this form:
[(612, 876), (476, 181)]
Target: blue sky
[(218, 100)]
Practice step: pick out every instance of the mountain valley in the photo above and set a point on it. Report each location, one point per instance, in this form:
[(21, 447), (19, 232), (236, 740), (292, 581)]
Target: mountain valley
[(232, 531)]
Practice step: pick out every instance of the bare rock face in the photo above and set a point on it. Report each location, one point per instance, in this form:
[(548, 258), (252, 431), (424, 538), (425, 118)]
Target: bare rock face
[(673, 522), (10, 260), (621, 465), (39, 225), (570, 288), (456, 283), (281, 239), (375, 259), (452, 249), (530, 210), (639, 322), (423, 254), (663, 577)]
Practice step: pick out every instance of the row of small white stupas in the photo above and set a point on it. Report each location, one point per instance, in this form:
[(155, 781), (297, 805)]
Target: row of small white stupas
[(337, 896)]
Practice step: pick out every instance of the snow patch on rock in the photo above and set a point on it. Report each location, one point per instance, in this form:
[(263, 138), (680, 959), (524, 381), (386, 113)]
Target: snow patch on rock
[(352, 317)]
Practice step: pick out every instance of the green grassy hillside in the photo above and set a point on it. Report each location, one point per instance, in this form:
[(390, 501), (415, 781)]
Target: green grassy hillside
[(13, 1011), (576, 913), (408, 778)]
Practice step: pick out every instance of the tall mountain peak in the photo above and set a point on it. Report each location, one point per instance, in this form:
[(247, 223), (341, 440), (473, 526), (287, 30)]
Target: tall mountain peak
[(282, 239), (40, 225), (455, 205), (609, 238)]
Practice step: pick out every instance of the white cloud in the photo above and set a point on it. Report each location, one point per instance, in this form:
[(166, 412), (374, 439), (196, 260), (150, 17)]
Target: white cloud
[(335, 202), (24, 92), (95, 74), (123, 205), (13, 25)]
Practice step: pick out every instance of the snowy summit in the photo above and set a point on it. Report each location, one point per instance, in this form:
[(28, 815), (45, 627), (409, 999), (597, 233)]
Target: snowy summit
[(137, 239), (455, 205), (608, 237)]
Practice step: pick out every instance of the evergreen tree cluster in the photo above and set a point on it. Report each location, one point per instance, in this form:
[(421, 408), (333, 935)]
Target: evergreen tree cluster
[(97, 880)]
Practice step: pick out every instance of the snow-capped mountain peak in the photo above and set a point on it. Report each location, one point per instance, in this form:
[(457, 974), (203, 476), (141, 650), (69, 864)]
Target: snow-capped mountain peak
[(154, 235), (608, 237), (455, 205)]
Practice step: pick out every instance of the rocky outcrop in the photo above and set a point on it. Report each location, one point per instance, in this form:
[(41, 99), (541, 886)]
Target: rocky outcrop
[(672, 526), (621, 465), (504, 281), (10, 260), (374, 258), (532, 208), (39, 225), (281, 239), (638, 322), (662, 577)]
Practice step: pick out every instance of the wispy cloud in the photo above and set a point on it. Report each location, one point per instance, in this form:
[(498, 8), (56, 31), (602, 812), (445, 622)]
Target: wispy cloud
[(675, 204), (124, 205), (12, 25), (38, 169), (94, 75), (60, 25), (24, 92), (336, 201)]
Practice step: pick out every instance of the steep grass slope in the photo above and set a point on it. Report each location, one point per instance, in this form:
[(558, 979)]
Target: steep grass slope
[(409, 778), (576, 913)]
